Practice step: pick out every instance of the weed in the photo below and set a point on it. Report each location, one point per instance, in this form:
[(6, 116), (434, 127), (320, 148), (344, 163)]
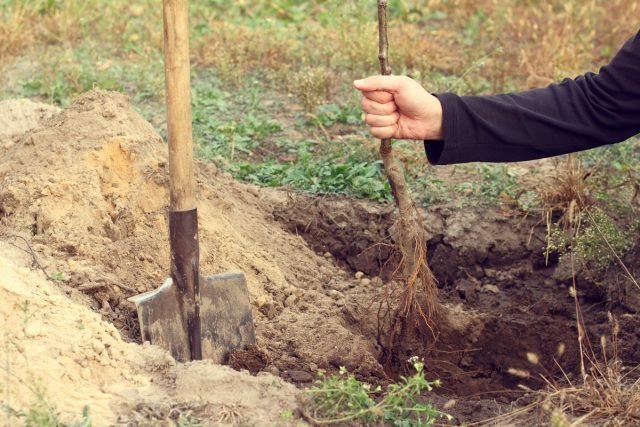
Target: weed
[(58, 276), (343, 399), (188, 421), (330, 114), (226, 139), (286, 414), (498, 180), (312, 86), (596, 242), (495, 182), (342, 172), (44, 414), (431, 191), (616, 176)]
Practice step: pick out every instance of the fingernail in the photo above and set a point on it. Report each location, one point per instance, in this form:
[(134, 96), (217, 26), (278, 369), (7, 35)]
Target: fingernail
[(358, 82)]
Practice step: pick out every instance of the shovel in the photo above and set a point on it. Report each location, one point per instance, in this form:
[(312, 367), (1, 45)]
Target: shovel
[(191, 316)]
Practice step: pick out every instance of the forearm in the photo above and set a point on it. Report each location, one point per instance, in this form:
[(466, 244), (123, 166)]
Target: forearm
[(575, 115)]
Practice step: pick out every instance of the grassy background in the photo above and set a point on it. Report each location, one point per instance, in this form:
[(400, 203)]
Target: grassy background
[(272, 95)]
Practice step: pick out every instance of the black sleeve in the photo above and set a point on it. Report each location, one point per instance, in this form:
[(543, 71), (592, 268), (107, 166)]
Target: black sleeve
[(575, 115)]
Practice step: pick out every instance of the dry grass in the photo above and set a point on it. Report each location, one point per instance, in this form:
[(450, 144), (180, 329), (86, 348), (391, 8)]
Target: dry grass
[(235, 51), (489, 46), (565, 193), (16, 30), (607, 394), (463, 45), (32, 24)]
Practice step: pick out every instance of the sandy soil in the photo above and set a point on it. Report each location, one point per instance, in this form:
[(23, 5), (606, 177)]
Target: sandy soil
[(54, 345), (21, 115), (87, 190)]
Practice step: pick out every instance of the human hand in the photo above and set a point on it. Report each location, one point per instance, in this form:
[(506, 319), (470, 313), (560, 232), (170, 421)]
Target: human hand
[(398, 107)]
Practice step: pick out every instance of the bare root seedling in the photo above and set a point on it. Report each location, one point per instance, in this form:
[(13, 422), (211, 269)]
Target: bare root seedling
[(417, 306)]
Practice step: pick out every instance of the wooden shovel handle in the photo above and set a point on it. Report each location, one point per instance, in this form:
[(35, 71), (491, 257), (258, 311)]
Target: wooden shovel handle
[(183, 217), (178, 88)]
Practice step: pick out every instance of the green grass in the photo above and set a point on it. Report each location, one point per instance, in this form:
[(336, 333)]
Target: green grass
[(342, 399), (347, 171)]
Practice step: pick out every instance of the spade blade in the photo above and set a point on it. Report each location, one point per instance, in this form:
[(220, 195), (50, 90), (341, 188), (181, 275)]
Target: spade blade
[(161, 321), (225, 315)]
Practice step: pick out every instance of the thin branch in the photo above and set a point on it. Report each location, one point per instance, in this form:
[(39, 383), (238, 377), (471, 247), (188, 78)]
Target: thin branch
[(31, 252)]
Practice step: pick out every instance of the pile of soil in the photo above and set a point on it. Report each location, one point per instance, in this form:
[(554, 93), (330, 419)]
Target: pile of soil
[(87, 190), (57, 351)]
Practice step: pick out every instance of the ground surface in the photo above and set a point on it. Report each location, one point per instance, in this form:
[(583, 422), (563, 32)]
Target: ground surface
[(87, 190)]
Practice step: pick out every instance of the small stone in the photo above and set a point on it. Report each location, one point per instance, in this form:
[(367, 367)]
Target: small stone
[(335, 294), (467, 288), (328, 255), (290, 301), (449, 404), (262, 300), (104, 360), (273, 370), (377, 281), (97, 346), (269, 310), (490, 289), (300, 376), (340, 286), (491, 273), (313, 367), (365, 281), (33, 329), (341, 303), (359, 275)]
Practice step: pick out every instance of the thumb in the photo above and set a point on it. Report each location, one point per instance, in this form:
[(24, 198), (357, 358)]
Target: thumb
[(390, 84)]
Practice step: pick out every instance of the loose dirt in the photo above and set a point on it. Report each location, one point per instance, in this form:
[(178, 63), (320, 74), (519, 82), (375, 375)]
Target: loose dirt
[(55, 348), (21, 115), (87, 190)]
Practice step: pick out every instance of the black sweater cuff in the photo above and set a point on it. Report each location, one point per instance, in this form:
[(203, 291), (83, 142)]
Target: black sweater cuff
[(446, 150)]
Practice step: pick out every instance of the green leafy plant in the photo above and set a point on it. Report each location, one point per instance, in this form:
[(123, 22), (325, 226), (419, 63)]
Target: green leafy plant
[(342, 399), (43, 414), (188, 421), (58, 276), (287, 414), (350, 173), (596, 241), (330, 114)]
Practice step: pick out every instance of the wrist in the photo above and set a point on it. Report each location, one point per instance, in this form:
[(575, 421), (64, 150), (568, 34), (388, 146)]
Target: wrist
[(434, 131)]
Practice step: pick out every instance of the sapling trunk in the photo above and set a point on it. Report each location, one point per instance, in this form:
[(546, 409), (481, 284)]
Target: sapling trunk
[(419, 297)]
